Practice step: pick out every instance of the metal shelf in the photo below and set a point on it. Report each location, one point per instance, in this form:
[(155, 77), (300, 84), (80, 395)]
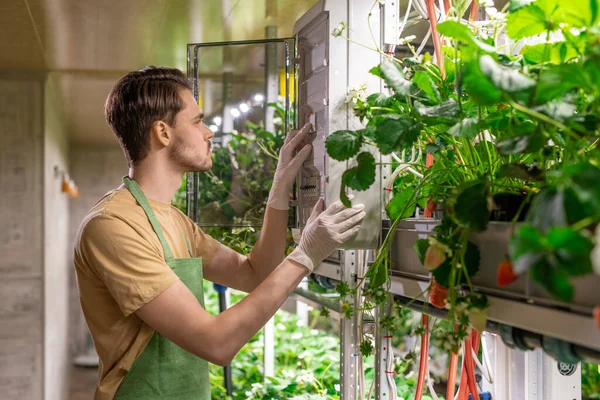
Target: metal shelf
[(543, 320)]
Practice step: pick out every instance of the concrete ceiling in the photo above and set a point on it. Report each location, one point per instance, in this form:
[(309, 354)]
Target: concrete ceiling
[(87, 45)]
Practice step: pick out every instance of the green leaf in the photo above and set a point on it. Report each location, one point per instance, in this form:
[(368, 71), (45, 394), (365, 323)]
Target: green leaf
[(362, 176), (478, 86), (366, 348), (557, 53), (559, 110), (467, 128), (521, 144), (463, 33), (378, 99), (444, 113), (394, 78), (393, 135), (554, 280), (421, 246), (520, 171), (526, 21), (402, 205), (424, 82), (572, 250), (506, 79), (526, 240), (548, 209), (472, 260), (442, 273), (583, 179), (471, 207), (376, 71), (368, 132), (558, 80), (341, 145)]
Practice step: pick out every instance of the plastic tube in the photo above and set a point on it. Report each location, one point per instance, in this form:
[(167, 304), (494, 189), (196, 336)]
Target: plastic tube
[(408, 8), (424, 358), (450, 388), (436, 37)]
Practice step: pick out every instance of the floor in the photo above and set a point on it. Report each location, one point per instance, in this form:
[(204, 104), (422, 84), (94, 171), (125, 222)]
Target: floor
[(83, 383)]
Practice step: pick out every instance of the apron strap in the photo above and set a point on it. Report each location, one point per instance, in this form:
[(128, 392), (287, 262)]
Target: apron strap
[(139, 195), (187, 243)]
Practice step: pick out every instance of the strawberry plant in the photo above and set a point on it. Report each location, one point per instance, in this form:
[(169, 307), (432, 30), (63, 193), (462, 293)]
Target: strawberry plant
[(507, 121)]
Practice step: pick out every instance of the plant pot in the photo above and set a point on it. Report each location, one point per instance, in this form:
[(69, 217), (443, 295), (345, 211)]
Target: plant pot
[(493, 246)]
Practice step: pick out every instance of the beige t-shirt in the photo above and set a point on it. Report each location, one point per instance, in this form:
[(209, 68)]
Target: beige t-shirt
[(120, 266)]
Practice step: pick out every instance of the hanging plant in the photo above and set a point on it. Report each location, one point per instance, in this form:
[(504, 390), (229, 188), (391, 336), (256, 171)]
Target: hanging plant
[(514, 137)]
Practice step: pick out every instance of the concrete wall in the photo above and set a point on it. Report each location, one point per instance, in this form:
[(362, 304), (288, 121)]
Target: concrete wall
[(21, 239), (96, 171), (57, 254)]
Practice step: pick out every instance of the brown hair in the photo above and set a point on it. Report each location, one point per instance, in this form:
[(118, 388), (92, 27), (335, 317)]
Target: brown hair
[(139, 99)]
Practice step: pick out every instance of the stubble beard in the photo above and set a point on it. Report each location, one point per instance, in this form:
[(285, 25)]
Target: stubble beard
[(183, 156)]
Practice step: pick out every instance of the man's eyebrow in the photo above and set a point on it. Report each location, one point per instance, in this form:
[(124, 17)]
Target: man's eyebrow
[(199, 117)]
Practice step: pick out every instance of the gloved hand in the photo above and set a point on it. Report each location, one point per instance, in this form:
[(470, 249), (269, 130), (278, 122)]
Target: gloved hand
[(288, 167), (326, 231)]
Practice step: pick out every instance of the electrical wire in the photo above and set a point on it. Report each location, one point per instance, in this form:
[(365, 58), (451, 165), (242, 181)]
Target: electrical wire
[(423, 43), (408, 8), (404, 165)]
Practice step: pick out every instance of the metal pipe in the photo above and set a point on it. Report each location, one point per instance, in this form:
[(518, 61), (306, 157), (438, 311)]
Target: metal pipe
[(332, 305)]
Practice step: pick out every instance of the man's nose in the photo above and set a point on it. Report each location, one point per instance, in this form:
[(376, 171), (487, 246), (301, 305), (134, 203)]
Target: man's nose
[(208, 134)]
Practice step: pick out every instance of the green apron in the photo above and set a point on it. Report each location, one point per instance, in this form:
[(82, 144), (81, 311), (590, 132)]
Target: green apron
[(164, 370)]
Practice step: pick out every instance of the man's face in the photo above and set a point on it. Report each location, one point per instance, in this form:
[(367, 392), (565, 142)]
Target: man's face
[(191, 148)]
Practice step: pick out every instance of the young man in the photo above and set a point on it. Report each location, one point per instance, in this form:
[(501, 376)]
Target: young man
[(140, 262)]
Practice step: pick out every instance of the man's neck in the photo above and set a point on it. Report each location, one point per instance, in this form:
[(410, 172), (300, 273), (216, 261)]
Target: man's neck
[(157, 181)]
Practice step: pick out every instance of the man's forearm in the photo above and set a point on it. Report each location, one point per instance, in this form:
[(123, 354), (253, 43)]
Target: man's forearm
[(239, 323), (269, 250)]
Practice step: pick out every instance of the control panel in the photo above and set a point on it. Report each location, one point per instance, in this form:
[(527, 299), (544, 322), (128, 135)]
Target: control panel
[(327, 66)]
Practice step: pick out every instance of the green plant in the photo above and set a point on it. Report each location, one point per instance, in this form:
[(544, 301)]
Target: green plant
[(513, 137), (590, 382)]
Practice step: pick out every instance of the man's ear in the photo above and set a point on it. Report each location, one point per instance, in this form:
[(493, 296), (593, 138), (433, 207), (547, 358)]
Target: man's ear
[(161, 133)]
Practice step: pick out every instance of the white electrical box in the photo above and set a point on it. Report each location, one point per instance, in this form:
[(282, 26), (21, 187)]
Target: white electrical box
[(327, 66)]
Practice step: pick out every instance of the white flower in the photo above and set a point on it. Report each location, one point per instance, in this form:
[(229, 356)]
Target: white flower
[(297, 336), (406, 40), (314, 331), (355, 94), (336, 387), (287, 374), (494, 14), (306, 377), (339, 30)]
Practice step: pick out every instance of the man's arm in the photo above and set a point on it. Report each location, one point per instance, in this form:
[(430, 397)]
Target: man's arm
[(177, 315), (228, 268), (245, 273)]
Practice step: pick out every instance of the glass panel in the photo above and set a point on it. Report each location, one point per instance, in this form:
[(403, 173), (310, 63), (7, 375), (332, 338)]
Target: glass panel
[(246, 90)]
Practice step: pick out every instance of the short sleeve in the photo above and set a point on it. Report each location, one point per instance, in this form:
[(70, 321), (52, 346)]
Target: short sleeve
[(133, 270), (205, 246)]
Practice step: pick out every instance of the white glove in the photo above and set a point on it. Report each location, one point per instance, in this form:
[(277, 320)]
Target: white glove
[(288, 167), (326, 231)]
